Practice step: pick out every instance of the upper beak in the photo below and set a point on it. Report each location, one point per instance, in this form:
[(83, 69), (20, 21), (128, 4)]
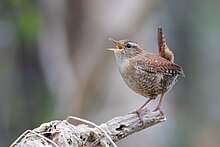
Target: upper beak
[(117, 43)]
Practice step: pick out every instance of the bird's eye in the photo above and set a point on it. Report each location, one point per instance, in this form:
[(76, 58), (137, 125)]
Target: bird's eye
[(128, 46)]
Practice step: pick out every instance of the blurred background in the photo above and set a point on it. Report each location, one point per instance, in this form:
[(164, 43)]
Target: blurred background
[(54, 63)]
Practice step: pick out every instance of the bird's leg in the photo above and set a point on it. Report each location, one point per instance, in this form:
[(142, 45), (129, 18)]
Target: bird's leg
[(144, 104), (138, 111), (159, 104)]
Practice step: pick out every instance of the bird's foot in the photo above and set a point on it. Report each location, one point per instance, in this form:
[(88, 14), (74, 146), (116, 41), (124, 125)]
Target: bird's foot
[(158, 109), (138, 112)]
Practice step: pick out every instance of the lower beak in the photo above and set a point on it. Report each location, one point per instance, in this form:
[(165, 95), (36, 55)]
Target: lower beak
[(111, 49)]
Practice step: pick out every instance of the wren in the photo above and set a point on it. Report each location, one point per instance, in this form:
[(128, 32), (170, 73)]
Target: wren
[(146, 73)]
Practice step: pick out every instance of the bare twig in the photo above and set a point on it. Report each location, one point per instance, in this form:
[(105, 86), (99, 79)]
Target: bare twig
[(27, 134)]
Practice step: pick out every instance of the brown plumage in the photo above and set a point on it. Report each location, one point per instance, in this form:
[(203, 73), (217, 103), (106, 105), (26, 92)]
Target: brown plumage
[(145, 73)]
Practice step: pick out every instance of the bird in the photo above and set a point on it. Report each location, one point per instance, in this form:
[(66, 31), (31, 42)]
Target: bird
[(146, 73)]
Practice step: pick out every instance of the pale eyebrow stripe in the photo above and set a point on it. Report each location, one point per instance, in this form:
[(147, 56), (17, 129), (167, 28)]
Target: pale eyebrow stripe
[(132, 43)]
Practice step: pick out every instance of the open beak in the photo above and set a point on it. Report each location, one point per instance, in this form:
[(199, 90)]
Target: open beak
[(117, 43)]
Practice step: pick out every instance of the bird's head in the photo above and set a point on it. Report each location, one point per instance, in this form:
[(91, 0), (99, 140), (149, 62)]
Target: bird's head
[(126, 48)]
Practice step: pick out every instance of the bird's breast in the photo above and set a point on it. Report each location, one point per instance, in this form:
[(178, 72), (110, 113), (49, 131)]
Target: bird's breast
[(134, 78)]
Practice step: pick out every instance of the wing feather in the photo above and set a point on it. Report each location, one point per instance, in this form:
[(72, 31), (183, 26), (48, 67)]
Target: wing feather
[(155, 64)]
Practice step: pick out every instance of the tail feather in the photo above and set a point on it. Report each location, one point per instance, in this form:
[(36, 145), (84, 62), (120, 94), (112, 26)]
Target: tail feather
[(164, 51)]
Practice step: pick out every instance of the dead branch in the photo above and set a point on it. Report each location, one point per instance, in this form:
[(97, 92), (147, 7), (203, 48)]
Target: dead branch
[(63, 133)]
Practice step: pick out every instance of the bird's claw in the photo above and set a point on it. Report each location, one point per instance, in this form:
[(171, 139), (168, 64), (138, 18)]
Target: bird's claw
[(158, 109), (138, 112)]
